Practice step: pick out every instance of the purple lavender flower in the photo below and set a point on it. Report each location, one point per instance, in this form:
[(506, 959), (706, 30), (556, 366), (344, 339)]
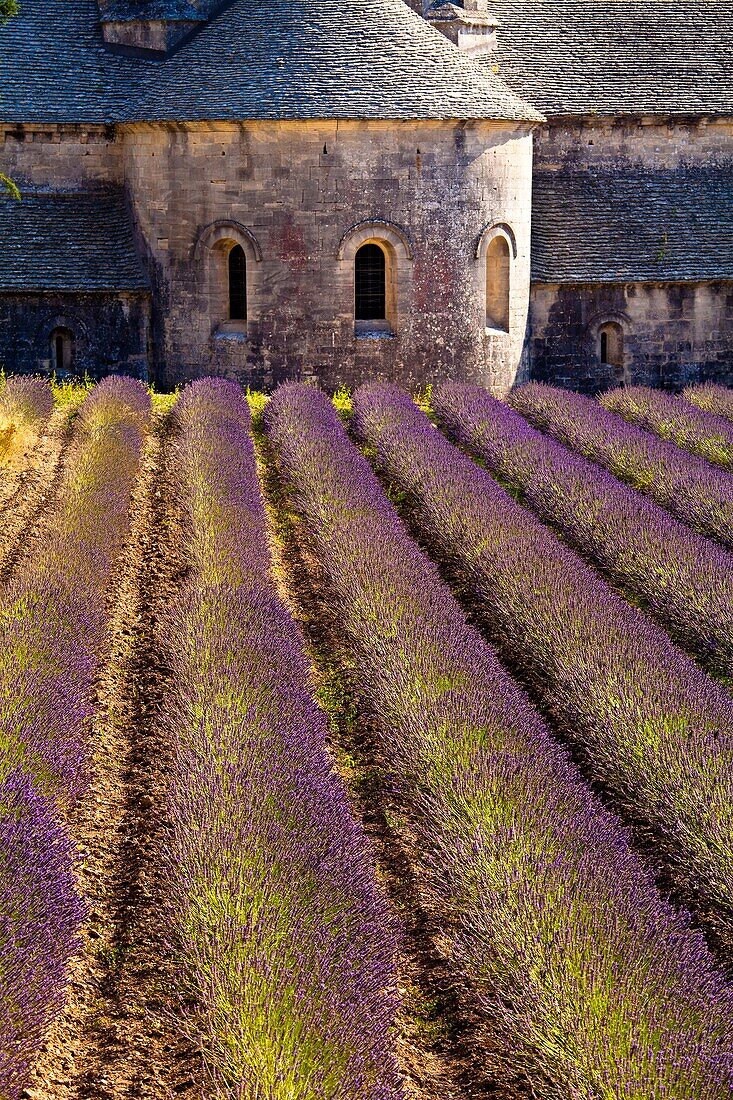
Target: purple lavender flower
[(287, 941), (688, 486), (673, 419), (680, 576), (25, 398), (591, 982), (651, 726), (712, 398), (40, 914), (53, 639)]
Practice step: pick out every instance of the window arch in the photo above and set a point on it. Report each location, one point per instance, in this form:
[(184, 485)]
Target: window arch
[(230, 275), (62, 349), (370, 283), (611, 345), (498, 283), (375, 276), (237, 268)]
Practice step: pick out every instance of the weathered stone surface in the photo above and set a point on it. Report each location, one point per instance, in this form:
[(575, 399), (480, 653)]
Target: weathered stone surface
[(674, 334), (365, 124), (110, 332), (299, 189)]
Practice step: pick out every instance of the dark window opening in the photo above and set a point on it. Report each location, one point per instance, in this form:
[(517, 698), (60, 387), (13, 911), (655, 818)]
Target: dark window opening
[(62, 351), (604, 347), (370, 283), (237, 284)]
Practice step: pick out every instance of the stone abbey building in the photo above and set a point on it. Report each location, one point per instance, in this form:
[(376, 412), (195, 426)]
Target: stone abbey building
[(347, 189)]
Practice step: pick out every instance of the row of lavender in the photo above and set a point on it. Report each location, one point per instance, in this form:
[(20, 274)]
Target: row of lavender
[(590, 982), (650, 725), (53, 634), (286, 942), (711, 398), (681, 422), (26, 403), (683, 578), (691, 488)]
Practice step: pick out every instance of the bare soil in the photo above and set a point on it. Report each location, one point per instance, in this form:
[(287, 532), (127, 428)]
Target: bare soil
[(117, 1037), (445, 1048)]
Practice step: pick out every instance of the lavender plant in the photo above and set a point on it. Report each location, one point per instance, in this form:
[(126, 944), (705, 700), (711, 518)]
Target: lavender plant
[(683, 578), (53, 615), (652, 727), (590, 981), (714, 399), (25, 398), (40, 914), (26, 402), (288, 946), (684, 484), (673, 419), (53, 621)]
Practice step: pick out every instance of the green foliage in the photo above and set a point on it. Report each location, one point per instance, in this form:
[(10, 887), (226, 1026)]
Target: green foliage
[(8, 8), (6, 185), (70, 392), (257, 401)]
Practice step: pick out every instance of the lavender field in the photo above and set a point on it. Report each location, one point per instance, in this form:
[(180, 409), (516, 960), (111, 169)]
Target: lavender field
[(365, 748)]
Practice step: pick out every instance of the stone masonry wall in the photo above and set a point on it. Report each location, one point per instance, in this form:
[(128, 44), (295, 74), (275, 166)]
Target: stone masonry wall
[(675, 334), (60, 157), (294, 191), (111, 332), (621, 141)]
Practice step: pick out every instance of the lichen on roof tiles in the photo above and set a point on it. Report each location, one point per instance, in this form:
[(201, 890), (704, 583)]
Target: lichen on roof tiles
[(642, 225), (69, 241), (575, 57)]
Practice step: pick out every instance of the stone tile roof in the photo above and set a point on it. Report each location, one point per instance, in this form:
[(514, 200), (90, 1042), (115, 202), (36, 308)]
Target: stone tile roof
[(68, 242), (633, 224), (284, 59), (571, 57)]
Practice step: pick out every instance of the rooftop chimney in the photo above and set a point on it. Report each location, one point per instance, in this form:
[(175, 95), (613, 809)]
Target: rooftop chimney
[(468, 25), (150, 28)]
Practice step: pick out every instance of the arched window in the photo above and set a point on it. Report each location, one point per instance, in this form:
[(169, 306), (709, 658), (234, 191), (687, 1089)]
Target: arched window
[(237, 284), (62, 350), (611, 344), (498, 267), (370, 283)]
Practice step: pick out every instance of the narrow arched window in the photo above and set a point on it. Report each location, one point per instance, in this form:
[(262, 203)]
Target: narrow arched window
[(237, 284), (370, 283), (498, 265), (611, 344), (62, 350)]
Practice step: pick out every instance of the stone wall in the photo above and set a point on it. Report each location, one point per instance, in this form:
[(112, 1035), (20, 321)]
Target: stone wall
[(111, 332), (60, 157), (290, 193), (674, 334), (650, 142)]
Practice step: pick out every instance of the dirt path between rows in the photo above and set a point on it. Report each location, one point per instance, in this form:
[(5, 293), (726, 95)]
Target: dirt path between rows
[(445, 1051), (118, 1038), (28, 493)]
